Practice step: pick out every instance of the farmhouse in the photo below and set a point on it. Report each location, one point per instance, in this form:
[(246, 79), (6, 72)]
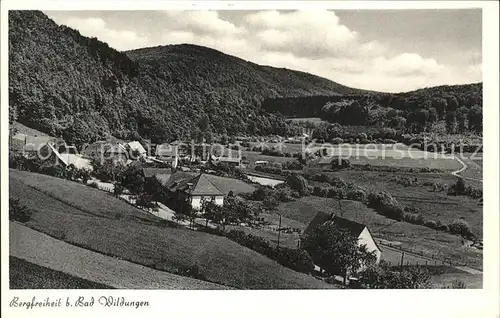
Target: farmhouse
[(136, 147), (117, 153), (357, 229), (34, 144), (50, 156), (193, 189)]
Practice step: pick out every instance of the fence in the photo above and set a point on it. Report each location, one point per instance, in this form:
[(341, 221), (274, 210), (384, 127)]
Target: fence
[(416, 257)]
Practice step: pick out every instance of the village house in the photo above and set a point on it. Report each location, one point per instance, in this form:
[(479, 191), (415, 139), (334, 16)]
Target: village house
[(194, 189), (51, 156), (168, 153), (33, 144), (356, 229), (118, 153), (135, 148)]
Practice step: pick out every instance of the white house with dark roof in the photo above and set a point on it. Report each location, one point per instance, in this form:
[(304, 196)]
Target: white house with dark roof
[(194, 189), (356, 229)]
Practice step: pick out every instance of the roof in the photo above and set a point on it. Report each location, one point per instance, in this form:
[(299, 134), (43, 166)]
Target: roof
[(228, 159), (194, 185), (117, 149), (76, 160), (136, 146), (19, 136), (321, 218), (34, 143)]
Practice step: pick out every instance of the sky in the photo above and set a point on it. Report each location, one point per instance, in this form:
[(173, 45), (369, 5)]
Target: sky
[(381, 50)]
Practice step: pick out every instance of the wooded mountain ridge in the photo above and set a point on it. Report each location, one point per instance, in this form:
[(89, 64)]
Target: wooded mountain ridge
[(79, 88)]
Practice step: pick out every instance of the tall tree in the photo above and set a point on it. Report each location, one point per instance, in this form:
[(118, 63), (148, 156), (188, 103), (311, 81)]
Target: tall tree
[(336, 250)]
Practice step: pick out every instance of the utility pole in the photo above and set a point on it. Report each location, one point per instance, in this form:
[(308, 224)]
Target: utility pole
[(402, 258), (279, 232)]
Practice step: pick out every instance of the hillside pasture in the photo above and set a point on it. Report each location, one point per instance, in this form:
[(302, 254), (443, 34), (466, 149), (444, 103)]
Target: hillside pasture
[(26, 275), (144, 239), (437, 206), (419, 239)]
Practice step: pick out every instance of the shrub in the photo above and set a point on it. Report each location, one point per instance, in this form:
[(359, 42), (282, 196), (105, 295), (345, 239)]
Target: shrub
[(18, 212), (93, 185), (431, 224), (458, 284), (414, 218), (460, 227), (320, 191), (292, 165), (298, 260), (337, 141), (340, 163), (357, 195), (385, 204), (297, 182)]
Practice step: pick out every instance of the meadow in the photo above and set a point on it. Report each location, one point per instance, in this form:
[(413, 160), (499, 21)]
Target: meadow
[(26, 275), (94, 220), (418, 238)]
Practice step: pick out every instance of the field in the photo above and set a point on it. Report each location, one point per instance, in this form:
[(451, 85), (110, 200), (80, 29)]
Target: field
[(96, 221), (56, 255), (25, 275), (419, 239), (437, 206)]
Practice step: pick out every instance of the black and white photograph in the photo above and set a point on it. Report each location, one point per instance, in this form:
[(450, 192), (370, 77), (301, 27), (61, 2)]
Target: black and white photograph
[(244, 149)]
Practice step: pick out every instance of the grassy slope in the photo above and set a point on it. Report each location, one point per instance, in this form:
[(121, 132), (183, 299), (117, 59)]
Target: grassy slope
[(104, 224), (26, 275)]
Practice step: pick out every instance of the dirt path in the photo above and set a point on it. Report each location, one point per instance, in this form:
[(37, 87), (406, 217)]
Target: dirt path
[(464, 168), (43, 250)]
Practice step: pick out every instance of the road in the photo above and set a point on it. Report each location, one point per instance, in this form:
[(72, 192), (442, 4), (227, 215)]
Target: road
[(464, 168), (43, 250)]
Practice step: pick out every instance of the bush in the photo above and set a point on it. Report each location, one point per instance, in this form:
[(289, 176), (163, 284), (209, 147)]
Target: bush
[(337, 141), (340, 163), (458, 284), (320, 191), (18, 212), (431, 224), (357, 195), (386, 205), (292, 165), (297, 182), (460, 227), (93, 185), (298, 260), (414, 218)]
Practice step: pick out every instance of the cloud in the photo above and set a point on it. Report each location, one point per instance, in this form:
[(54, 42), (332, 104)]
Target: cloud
[(200, 22), (97, 27), (407, 64), (311, 41), (313, 34)]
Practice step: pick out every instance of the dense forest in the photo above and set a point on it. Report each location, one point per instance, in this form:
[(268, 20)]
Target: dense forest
[(79, 88), (458, 108)]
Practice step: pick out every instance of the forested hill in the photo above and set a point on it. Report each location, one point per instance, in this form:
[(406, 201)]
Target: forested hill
[(79, 88)]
